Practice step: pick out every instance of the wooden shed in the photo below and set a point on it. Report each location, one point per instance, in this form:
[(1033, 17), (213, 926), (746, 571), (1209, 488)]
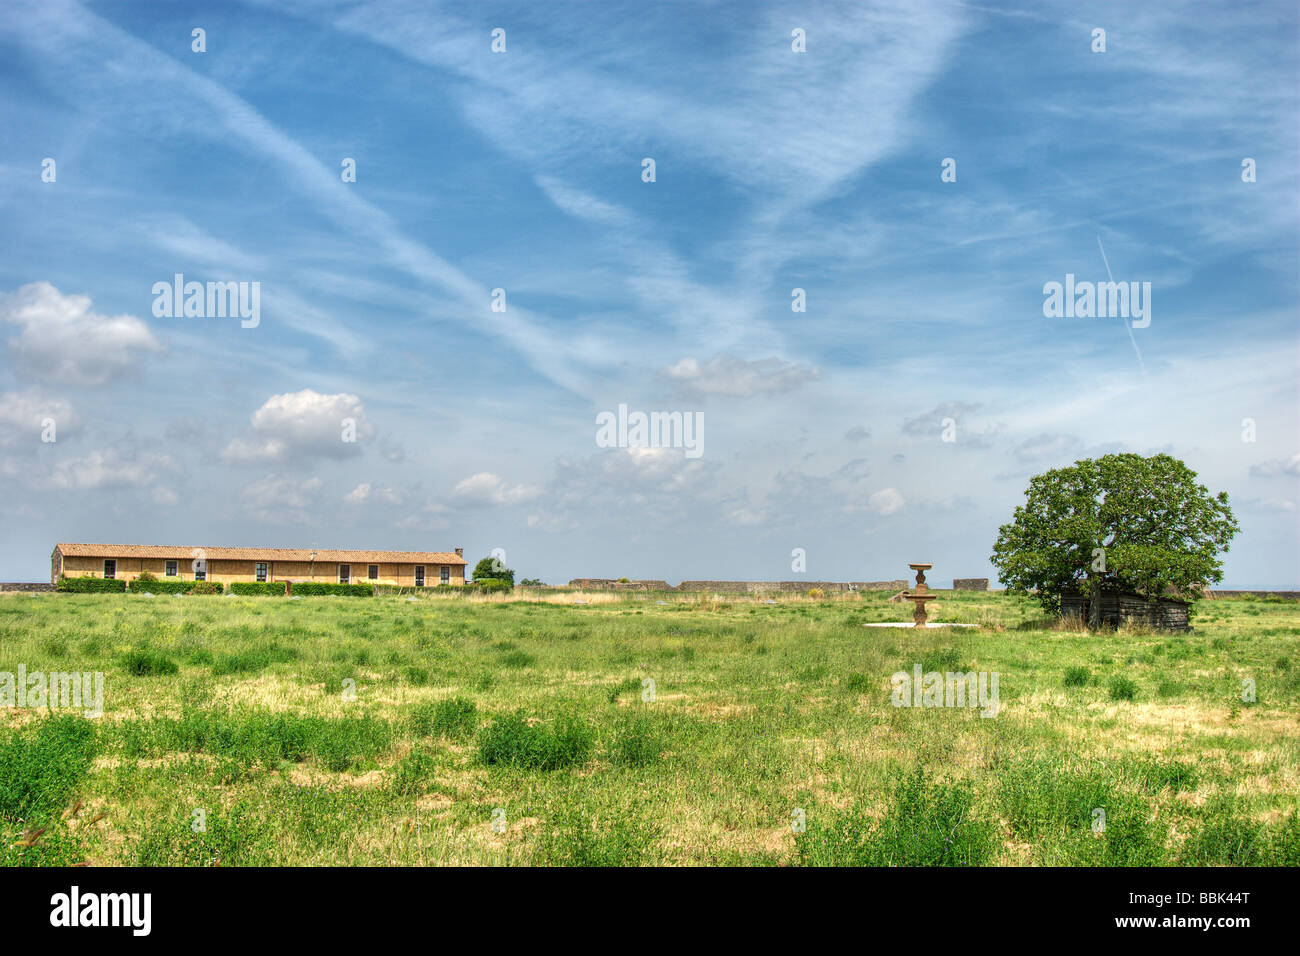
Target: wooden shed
[(1128, 607)]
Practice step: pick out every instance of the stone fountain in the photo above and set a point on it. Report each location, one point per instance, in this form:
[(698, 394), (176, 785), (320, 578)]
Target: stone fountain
[(920, 594)]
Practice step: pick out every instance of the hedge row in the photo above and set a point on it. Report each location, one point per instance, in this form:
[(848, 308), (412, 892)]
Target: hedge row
[(258, 588), (90, 585), (307, 588), (176, 587), (490, 585)]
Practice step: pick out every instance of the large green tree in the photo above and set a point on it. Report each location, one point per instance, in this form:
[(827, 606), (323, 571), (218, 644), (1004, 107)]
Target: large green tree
[(1139, 524), (491, 569)]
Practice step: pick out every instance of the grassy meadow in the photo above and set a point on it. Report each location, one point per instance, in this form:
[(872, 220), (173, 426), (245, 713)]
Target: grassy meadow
[(456, 730)]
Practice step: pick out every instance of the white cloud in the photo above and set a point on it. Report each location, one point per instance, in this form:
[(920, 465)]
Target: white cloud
[(63, 341), (486, 488), (728, 375), (302, 425), (1277, 468), (109, 468), (887, 501), (282, 499), (366, 491), (21, 415)]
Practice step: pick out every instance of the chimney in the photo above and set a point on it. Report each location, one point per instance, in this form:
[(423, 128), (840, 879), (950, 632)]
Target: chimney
[(460, 552)]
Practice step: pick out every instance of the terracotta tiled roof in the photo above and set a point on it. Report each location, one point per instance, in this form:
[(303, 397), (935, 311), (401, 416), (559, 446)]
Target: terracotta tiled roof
[(319, 555)]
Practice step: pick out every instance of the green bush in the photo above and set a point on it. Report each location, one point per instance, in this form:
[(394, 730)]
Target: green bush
[(636, 743), (253, 660), (145, 662), (926, 824), (41, 764), (414, 773), (454, 718), (1049, 804), (1122, 688), (490, 586), (258, 588), (235, 837), (511, 741), (258, 737), (580, 833), (1228, 836), (165, 586), (1077, 676), (90, 585), (318, 588)]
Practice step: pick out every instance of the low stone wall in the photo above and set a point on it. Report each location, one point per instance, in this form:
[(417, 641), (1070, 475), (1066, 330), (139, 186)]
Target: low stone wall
[(970, 584), (1291, 595), (25, 586), (736, 587), (610, 584), (787, 587)]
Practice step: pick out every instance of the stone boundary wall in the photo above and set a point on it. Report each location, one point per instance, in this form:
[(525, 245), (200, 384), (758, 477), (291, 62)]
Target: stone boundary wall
[(970, 584), (737, 587), (1292, 595), (610, 584), (803, 587), (25, 586)]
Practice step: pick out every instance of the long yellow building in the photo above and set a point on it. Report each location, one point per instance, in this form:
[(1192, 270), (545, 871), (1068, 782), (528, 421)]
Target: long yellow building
[(228, 565)]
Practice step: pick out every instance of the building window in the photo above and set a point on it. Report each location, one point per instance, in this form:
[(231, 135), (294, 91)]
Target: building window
[(345, 573), (446, 575), (110, 569), (200, 570), (261, 570), (373, 572), (419, 575), (171, 569)]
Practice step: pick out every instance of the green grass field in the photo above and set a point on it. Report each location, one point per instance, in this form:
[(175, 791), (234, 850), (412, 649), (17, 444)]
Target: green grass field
[(492, 731)]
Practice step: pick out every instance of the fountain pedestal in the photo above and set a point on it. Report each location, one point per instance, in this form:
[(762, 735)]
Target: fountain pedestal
[(920, 594)]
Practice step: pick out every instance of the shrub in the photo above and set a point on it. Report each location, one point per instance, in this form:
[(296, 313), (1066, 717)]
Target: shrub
[(857, 683), (145, 662), (816, 593), (533, 583), (1122, 688), (41, 764), (252, 661), (1053, 808), (512, 741), (146, 576), (455, 718), (317, 588), (636, 743), (577, 834), (90, 585), (1229, 837), (413, 773), (174, 586), (490, 586), (258, 737), (1077, 676), (518, 659), (234, 837), (258, 588), (491, 569), (926, 824)]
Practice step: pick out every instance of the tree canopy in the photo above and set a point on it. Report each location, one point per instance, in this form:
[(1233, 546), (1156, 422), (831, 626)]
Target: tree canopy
[(491, 569), (1124, 521)]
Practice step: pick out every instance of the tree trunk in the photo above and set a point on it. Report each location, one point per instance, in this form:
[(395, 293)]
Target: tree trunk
[(1094, 601)]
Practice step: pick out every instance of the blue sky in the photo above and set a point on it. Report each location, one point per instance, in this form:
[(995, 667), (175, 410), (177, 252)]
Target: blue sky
[(522, 170)]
